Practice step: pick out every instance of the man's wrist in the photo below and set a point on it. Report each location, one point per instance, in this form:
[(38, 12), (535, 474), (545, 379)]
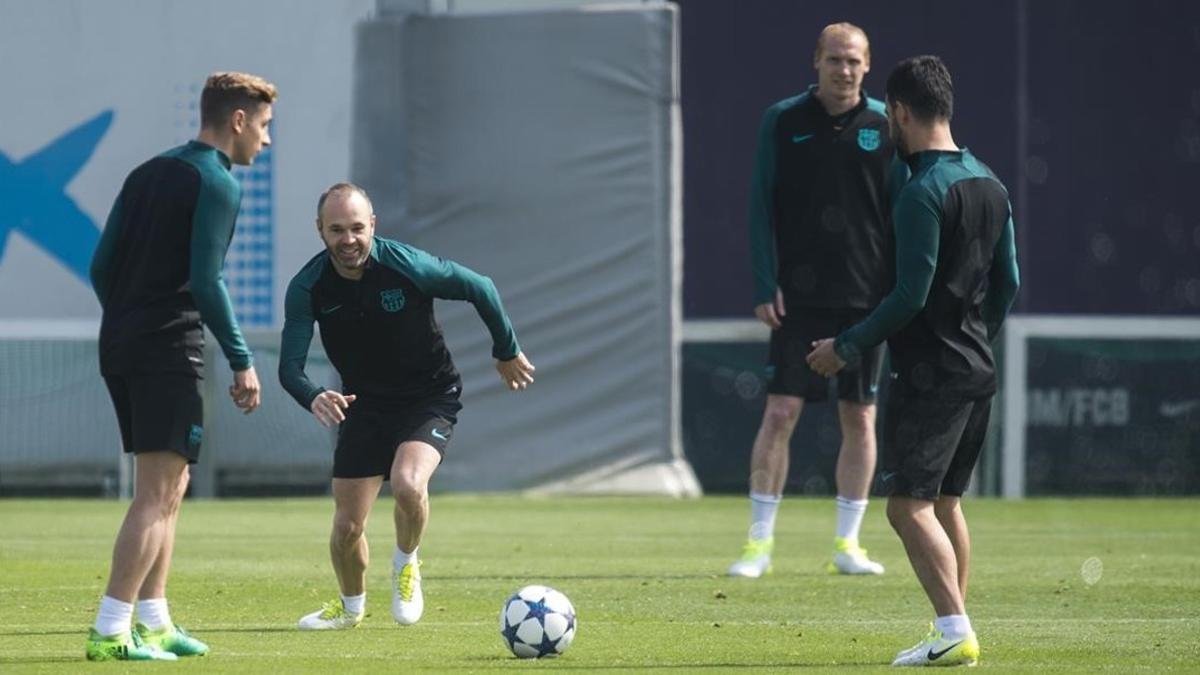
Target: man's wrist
[(847, 350)]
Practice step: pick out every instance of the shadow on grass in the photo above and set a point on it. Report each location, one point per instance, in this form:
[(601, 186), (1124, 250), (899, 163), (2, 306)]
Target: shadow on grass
[(206, 629), (247, 629), (570, 577), (567, 665), (14, 660)]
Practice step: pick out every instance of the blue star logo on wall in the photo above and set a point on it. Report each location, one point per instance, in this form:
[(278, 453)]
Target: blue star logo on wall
[(34, 199)]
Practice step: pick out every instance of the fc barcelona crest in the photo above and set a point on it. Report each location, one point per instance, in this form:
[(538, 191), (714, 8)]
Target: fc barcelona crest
[(868, 139), (393, 300), (195, 435)]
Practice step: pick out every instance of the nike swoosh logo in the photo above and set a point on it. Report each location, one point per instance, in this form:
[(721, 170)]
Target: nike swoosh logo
[(330, 310), (801, 139), (1178, 408), (886, 475), (934, 656), (438, 434)]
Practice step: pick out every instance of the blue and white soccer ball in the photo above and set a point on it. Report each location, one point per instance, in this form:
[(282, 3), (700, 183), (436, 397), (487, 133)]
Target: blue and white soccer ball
[(537, 621)]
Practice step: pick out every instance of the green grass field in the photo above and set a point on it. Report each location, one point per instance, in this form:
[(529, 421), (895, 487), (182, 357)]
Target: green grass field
[(645, 575)]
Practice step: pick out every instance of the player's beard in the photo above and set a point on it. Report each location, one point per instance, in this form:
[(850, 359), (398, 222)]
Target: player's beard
[(349, 258), (897, 137)]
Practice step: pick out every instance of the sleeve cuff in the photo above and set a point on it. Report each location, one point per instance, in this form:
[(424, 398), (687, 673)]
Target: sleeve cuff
[(847, 350), (764, 297), (312, 396), (506, 355)]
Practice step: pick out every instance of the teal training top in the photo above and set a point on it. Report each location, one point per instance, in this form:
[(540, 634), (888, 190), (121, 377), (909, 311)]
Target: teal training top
[(157, 268), (819, 204), (379, 331), (956, 277)]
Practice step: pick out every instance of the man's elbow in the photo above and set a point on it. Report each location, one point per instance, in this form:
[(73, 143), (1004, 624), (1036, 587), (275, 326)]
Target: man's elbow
[(911, 305), (206, 293)]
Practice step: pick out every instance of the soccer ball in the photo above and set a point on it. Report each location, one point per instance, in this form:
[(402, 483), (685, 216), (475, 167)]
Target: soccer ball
[(537, 621)]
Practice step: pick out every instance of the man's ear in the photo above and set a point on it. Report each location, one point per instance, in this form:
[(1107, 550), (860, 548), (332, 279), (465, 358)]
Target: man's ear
[(237, 121)]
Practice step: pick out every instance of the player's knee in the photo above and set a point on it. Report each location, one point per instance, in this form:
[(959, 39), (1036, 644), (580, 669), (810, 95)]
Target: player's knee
[(781, 414), (408, 496), (857, 420), (157, 504), (946, 506), (162, 499), (899, 513), (347, 530), (404, 486)]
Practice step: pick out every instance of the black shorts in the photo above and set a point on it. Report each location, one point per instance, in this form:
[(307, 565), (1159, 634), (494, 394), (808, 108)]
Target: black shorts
[(929, 446), (368, 439), (790, 345), (159, 412)]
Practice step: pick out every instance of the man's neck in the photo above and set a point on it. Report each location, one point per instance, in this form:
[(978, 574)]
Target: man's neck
[(222, 142), (835, 106), (935, 136)]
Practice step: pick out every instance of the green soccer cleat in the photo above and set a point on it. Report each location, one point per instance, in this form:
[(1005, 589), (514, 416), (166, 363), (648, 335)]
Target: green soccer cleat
[(174, 639), (331, 616), (123, 647), (755, 560), (850, 558), (936, 650)]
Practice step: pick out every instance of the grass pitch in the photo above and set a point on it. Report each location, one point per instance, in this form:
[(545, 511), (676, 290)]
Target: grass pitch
[(1057, 586)]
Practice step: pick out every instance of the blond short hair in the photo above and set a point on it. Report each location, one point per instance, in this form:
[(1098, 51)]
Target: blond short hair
[(226, 92), (842, 29)]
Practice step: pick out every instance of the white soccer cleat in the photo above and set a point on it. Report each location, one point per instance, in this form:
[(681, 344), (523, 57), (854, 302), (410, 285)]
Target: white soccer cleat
[(408, 603), (331, 616), (755, 561), (937, 650), (849, 558), (904, 653)]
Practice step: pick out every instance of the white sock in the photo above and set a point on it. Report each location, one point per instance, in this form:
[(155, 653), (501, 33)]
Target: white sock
[(849, 518), (114, 618), (762, 515), (400, 558), (354, 604), (953, 626), (153, 613)]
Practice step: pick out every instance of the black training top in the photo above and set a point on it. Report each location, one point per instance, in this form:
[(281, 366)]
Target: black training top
[(956, 277), (157, 268), (819, 204), (379, 331)]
